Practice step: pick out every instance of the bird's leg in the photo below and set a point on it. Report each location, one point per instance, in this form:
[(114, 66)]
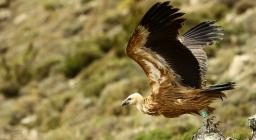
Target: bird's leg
[(208, 121), (205, 115)]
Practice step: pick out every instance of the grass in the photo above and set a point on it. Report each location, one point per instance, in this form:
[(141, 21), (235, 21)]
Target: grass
[(156, 134)]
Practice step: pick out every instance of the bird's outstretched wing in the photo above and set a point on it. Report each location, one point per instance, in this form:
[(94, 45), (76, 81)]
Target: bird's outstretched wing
[(198, 37), (155, 46)]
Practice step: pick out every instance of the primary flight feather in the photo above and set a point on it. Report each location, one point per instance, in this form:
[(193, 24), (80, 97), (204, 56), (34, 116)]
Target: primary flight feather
[(174, 64)]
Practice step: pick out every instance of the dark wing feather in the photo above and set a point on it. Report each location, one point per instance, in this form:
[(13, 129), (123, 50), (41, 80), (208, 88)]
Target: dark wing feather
[(202, 59), (163, 24), (196, 38), (155, 47), (204, 33)]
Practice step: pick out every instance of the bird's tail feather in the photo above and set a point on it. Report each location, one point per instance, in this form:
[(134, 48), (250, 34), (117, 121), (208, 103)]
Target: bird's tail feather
[(220, 87)]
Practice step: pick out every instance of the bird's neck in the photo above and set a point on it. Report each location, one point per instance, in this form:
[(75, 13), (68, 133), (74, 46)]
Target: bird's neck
[(143, 106), (140, 104), (147, 106)]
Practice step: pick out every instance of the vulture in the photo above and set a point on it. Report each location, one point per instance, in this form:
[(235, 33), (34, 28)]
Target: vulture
[(175, 64)]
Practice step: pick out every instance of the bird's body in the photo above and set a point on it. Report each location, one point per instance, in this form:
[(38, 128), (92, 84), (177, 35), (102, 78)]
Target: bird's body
[(175, 65)]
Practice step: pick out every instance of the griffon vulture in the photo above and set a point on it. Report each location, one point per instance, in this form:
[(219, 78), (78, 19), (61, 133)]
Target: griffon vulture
[(174, 64)]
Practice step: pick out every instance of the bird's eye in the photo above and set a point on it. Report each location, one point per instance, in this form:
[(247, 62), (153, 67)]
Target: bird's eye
[(129, 98)]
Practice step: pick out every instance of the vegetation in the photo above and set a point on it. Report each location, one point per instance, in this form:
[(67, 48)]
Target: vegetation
[(64, 72)]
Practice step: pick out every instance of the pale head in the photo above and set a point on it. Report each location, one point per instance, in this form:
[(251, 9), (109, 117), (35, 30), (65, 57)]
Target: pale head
[(133, 99)]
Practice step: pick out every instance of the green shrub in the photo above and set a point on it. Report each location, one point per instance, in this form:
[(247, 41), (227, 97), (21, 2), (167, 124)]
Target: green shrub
[(241, 134), (52, 5), (79, 57), (252, 97)]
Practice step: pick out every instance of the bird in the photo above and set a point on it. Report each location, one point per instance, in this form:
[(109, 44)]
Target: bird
[(175, 64)]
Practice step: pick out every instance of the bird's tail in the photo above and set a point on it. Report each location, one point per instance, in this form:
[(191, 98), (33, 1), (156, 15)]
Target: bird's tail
[(220, 87)]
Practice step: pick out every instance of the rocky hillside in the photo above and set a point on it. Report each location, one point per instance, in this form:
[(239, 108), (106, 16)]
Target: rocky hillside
[(64, 72)]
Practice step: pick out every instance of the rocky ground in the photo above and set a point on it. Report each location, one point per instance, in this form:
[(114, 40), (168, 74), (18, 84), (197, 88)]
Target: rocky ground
[(63, 70)]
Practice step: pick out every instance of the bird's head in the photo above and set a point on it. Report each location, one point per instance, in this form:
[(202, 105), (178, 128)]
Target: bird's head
[(133, 99)]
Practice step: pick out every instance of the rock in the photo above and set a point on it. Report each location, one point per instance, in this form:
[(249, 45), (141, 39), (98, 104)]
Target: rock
[(5, 14), (20, 18), (246, 21), (4, 3), (197, 2), (229, 138), (238, 64), (30, 134), (252, 124), (29, 121), (208, 131), (244, 5)]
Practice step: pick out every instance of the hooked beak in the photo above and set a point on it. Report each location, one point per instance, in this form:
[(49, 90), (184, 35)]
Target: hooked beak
[(125, 103)]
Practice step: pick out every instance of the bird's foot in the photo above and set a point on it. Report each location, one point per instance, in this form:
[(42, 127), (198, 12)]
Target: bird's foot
[(209, 130), (210, 123)]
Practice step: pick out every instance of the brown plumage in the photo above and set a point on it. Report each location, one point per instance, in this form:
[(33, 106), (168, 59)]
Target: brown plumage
[(175, 64)]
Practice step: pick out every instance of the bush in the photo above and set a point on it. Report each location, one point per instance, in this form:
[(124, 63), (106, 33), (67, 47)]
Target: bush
[(80, 57)]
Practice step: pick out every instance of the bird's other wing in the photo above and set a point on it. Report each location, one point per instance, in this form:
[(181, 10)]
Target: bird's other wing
[(155, 47), (199, 36)]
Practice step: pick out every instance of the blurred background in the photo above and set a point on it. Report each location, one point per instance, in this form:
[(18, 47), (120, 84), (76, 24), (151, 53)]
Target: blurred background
[(64, 72)]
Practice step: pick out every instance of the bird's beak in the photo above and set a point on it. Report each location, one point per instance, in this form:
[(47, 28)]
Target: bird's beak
[(125, 103)]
